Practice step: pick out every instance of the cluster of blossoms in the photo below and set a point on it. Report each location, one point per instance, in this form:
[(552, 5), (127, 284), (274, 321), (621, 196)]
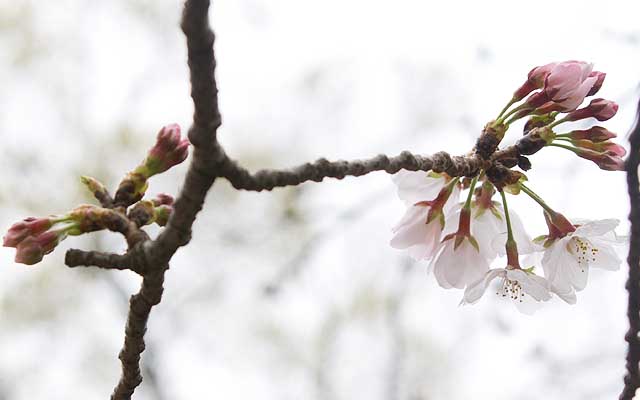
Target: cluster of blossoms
[(33, 238), (462, 239)]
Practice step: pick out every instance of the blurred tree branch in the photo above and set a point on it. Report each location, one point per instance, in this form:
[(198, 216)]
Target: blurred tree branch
[(632, 378)]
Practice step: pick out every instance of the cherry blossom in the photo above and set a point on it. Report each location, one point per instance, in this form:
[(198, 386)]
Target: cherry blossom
[(456, 266), (516, 284), (568, 83), (459, 261), (430, 200), (567, 259), (416, 186)]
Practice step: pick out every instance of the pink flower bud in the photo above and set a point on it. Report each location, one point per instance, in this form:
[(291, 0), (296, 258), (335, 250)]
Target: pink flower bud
[(535, 80), (536, 100), (607, 160), (170, 149), (600, 80), (548, 107), (27, 227), (595, 134), (569, 82), (163, 199), (599, 109), (32, 249), (538, 75), (607, 146)]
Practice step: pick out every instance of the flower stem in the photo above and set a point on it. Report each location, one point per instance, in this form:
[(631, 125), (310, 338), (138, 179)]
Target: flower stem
[(467, 204), (506, 215), (537, 198), (509, 104), (521, 107), (563, 146), (558, 122)]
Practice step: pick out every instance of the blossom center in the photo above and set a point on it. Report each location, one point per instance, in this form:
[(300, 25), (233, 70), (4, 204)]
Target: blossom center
[(583, 250), (511, 288)]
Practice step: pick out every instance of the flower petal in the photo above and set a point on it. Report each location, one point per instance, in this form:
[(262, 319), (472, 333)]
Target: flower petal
[(566, 293), (596, 228), (532, 285), (605, 257), (411, 228), (415, 186), (475, 290)]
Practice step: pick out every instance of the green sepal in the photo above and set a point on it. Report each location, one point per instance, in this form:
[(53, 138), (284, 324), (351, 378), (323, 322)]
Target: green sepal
[(474, 243), (540, 239), (496, 213), (458, 242), (433, 214), (514, 189)]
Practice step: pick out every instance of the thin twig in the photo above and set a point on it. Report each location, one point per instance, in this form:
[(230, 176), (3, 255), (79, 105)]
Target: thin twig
[(632, 378), (81, 258), (267, 179)]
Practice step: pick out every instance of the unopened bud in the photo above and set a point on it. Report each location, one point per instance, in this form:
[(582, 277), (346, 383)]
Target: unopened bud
[(162, 198), (32, 249), (600, 80), (28, 227), (606, 146), (607, 161), (595, 134), (170, 149), (599, 109)]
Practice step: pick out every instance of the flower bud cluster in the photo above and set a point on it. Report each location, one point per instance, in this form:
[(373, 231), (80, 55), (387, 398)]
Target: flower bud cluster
[(557, 88), (33, 238)]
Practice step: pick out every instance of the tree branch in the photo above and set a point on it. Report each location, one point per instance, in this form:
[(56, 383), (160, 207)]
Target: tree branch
[(267, 179), (81, 258), (140, 305), (632, 378), (207, 153)]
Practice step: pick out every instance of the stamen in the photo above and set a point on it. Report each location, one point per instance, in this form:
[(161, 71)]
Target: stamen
[(511, 288), (583, 250)]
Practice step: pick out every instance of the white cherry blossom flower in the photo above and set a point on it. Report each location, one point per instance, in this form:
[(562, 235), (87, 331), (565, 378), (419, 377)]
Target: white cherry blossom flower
[(414, 233), (416, 186), (521, 286), (429, 201), (457, 266), (567, 259)]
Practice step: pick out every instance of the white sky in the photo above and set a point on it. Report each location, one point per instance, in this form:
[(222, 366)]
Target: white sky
[(298, 80)]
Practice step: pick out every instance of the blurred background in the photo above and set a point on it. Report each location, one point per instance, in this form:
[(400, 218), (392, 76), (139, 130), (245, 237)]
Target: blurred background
[(295, 293)]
